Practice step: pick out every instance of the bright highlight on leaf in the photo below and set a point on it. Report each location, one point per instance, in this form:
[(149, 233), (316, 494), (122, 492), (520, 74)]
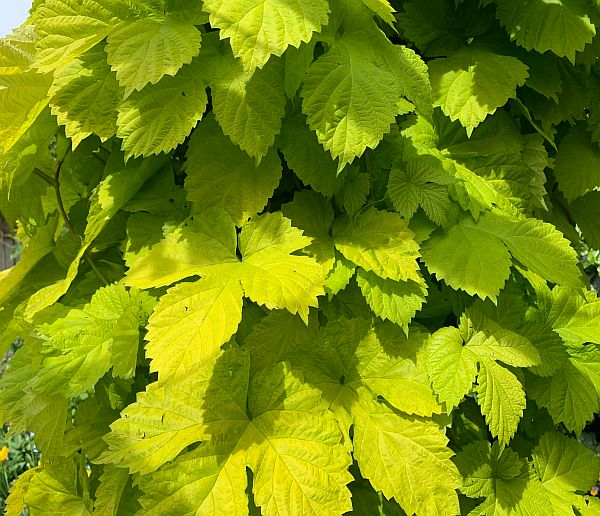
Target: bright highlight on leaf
[(473, 83), (258, 29)]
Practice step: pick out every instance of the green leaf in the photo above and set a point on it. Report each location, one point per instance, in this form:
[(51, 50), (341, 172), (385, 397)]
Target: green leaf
[(219, 174), (467, 258), (380, 242), (276, 337), (350, 97), (562, 26), (494, 340), (577, 164), (452, 367), (473, 83), (273, 277), (539, 246), (23, 95), (192, 321), (350, 354), (353, 191), (586, 212), (313, 214), (381, 8), (258, 29), (499, 475), (421, 183), (68, 28), (186, 250), (159, 117), (53, 490), (15, 501), (564, 466), (86, 342), (396, 301), (85, 97), (501, 398), (441, 27), (248, 105), (289, 438), (401, 456), (115, 494), (306, 157), (141, 52), (569, 396)]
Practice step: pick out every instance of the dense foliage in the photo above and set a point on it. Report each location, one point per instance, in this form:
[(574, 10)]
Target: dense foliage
[(303, 256)]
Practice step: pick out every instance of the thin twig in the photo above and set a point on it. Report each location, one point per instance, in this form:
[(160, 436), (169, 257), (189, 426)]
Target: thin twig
[(63, 212), (61, 206)]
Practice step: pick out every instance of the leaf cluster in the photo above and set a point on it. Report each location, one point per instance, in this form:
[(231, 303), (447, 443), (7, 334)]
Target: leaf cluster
[(302, 256)]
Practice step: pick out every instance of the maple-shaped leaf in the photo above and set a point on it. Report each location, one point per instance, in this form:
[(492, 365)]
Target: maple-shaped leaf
[(472, 83), (258, 29), (159, 117), (568, 394), (340, 99), (248, 105), (349, 355), (501, 477), (68, 28), (270, 274), (380, 242), (564, 467), (421, 183), (193, 320), (276, 337), (562, 26), (142, 51), (220, 174), (86, 342), (15, 501), (288, 430), (85, 97)]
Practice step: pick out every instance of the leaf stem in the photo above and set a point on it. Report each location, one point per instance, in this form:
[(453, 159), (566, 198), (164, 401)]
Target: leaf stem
[(45, 177)]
